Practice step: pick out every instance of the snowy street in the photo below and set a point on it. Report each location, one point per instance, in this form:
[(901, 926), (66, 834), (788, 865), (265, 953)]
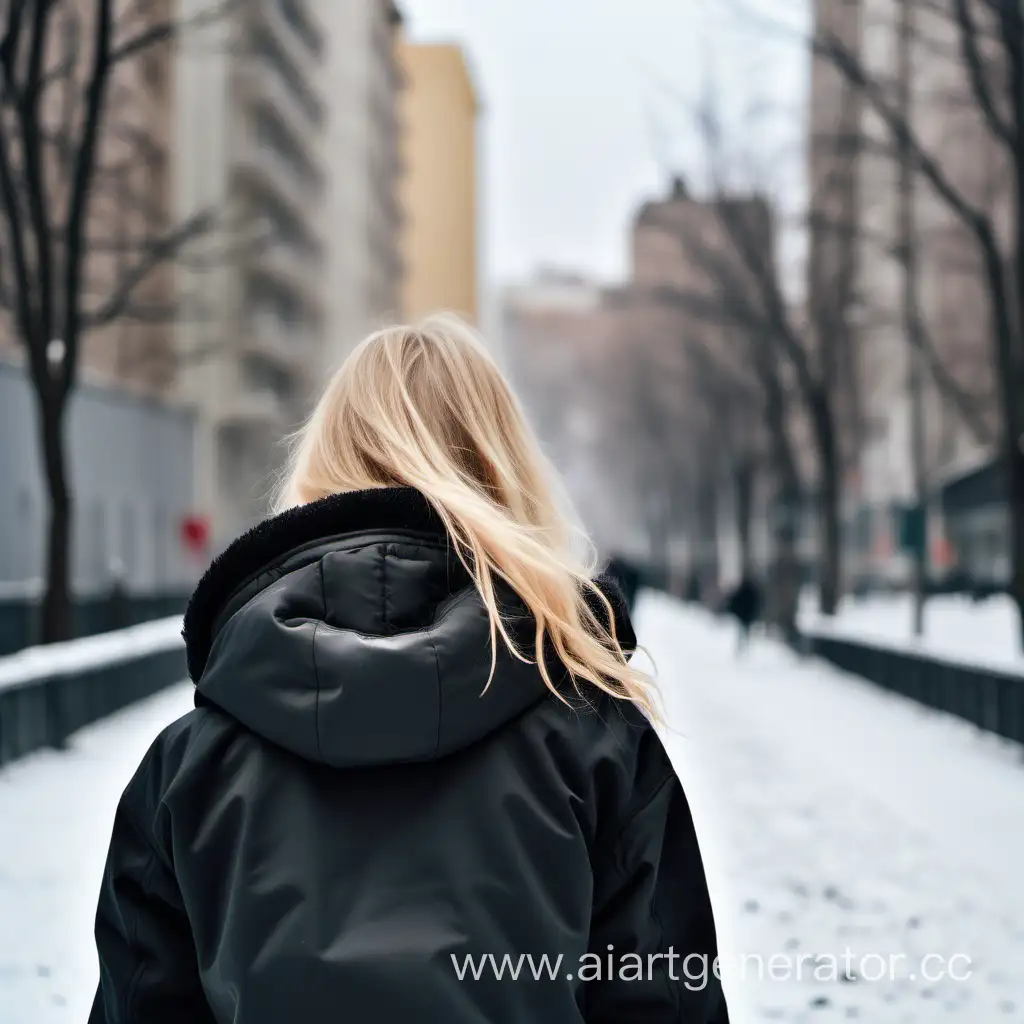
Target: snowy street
[(832, 817)]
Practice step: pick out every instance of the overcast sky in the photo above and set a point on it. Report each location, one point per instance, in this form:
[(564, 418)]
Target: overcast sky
[(579, 122)]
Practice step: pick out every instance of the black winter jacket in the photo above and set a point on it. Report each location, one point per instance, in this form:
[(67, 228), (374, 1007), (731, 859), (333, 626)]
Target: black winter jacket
[(345, 819)]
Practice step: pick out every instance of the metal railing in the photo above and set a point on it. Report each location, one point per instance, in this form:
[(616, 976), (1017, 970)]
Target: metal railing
[(100, 613), (42, 706), (992, 699)]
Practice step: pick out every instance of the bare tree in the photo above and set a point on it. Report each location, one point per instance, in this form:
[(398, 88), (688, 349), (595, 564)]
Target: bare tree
[(754, 404), (61, 274), (989, 51)]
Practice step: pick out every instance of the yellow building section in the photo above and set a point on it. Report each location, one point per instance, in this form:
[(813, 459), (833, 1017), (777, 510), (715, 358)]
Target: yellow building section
[(439, 182)]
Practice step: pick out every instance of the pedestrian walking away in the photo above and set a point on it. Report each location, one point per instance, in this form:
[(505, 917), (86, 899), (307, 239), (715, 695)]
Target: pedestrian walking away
[(420, 752), (744, 605)]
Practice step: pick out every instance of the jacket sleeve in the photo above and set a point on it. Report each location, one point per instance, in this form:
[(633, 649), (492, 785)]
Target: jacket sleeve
[(653, 931), (148, 971)]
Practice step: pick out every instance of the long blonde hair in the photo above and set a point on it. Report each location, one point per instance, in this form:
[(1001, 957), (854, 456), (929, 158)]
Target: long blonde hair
[(426, 406)]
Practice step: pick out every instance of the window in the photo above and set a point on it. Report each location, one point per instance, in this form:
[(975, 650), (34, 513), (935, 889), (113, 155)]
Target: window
[(273, 137), (269, 53), (296, 17), (263, 375)]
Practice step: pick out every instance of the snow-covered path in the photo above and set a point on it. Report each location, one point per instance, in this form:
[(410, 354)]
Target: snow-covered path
[(56, 813), (831, 816)]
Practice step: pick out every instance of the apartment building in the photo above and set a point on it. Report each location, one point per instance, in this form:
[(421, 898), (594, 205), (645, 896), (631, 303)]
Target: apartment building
[(251, 124), (439, 113), (363, 81)]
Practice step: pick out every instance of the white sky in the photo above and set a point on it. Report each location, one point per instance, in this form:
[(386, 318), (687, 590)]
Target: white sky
[(577, 129)]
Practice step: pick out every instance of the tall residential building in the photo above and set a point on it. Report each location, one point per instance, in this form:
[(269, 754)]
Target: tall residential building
[(363, 82), (439, 186), (251, 127)]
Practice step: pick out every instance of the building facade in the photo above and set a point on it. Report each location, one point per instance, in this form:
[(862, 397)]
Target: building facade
[(364, 257), (251, 126), (130, 462), (439, 114)]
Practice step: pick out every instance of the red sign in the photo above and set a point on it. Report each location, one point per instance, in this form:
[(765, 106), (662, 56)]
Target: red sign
[(195, 533)]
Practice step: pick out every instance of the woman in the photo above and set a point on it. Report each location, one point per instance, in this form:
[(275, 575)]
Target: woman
[(420, 761)]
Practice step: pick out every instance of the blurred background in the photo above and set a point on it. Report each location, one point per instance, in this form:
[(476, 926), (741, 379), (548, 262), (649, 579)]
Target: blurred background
[(754, 268)]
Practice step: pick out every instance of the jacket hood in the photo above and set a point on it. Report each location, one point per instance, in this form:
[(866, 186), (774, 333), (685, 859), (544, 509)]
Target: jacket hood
[(348, 632)]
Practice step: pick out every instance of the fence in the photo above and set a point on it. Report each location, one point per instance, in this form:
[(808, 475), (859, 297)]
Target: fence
[(990, 699), (100, 613), (48, 693)]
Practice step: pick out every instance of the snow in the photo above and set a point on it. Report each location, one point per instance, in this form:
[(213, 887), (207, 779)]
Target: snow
[(955, 629), (831, 815), (56, 813), (34, 663)]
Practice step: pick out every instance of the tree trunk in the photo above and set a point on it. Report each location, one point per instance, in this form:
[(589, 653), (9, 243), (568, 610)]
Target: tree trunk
[(743, 498), (1014, 459), (912, 322), (830, 538), (56, 607), (783, 590), (1014, 391), (707, 525)]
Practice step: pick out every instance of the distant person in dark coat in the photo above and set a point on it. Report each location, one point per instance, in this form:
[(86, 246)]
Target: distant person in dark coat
[(627, 576), (118, 610), (744, 605)]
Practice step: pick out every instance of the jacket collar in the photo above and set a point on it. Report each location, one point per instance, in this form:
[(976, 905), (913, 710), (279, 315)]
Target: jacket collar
[(383, 509)]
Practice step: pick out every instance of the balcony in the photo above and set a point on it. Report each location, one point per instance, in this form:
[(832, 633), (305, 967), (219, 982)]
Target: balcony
[(264, 169), (255, 408), (302, 52), (256, 83), (301, 20), (290, 349), (292, 270)]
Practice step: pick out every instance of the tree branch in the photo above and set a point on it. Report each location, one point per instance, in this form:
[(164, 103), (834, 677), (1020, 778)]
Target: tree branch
[(970, 52), (162, 250), (81, 185), (167, 31)]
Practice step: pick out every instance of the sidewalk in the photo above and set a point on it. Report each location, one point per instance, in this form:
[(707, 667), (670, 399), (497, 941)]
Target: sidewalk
[(56, 813), (834, 815)]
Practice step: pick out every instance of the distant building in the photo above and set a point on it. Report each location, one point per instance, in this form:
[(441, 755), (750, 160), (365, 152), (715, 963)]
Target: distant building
[(439, 113), (363, 216), (553, 329), (588, 361)]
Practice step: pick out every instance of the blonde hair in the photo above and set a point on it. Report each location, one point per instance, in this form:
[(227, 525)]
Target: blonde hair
[(426, 406)]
